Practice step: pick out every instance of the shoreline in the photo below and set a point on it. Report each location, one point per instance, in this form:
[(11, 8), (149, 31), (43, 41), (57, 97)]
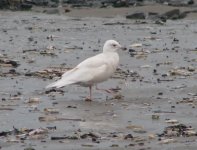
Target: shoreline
[(113, 12)]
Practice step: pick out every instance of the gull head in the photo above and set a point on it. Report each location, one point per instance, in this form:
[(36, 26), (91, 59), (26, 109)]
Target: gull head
[(111, 46)]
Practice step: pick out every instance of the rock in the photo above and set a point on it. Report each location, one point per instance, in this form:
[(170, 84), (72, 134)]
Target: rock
[(87, 145), (155, 117), (25, 6), (121, 3), (90, 134), (180, 2), (3, 4), (173, 14), (128, 136), (114, 145), (40, 2), (51, 11), (137, 15), (66, 10), (178, 130), (80, 3), (9, 63)]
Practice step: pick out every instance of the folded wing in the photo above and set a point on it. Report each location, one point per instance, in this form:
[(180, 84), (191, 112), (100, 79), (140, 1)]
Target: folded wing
[(89, 71)]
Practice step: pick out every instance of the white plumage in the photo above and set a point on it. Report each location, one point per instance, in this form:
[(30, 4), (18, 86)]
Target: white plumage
[(93, 70)]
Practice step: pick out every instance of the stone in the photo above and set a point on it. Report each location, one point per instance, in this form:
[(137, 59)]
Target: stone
[(3, 4), (173, 14), (137, 15)]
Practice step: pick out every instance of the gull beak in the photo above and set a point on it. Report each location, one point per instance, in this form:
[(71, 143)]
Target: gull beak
[(123, 48)]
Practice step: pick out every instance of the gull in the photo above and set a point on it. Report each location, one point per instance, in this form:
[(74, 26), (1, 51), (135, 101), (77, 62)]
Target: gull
[(92, 70)]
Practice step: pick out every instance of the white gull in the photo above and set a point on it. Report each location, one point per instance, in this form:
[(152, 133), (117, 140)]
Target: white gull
[(93, 70)]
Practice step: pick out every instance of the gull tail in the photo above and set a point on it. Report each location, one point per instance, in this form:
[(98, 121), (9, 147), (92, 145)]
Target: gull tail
[(65, 80), (60, 83)]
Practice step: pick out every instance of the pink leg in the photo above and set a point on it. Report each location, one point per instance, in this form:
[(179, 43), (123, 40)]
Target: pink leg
[(90, 96)]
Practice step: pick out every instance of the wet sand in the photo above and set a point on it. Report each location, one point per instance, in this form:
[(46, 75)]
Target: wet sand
[(157, 76)]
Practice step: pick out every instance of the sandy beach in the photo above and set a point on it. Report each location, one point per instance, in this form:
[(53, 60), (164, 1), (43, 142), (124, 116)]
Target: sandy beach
[(155, 83)]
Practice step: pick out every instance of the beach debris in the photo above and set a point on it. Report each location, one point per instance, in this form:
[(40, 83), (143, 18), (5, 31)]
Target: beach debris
[(188, 100), (145, 66), (128, 136), (137, 15), (78, 135), (87, 145), (124, 74), (136, 45), (172, 121), (115, 23), (151, 136), (51, 111), (38, 131), (136, 129), (52, 118), (8, 63), (48, 73), (139, 53), (71, 106), (30, 50), (163, 111), (51, 37), (167, 141), (182, 71), (155, 117), (16, 135), (152, 38), (29, 148), (54, 91), (178, 130), (114, 145), (33, 100), (64, 137)]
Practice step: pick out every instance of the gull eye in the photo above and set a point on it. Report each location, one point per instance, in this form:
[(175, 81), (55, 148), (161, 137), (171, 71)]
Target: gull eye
[(114, 45)]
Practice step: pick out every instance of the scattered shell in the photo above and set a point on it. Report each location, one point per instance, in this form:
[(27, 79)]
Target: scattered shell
[(167, 141), (33, 100), (51, 110), (136, 45), (145, 66), (135, 127), (38, 131), (180, 72), (173, 121), (151, 136)]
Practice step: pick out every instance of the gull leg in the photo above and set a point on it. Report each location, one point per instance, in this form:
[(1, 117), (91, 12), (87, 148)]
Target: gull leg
[(89, 98)]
